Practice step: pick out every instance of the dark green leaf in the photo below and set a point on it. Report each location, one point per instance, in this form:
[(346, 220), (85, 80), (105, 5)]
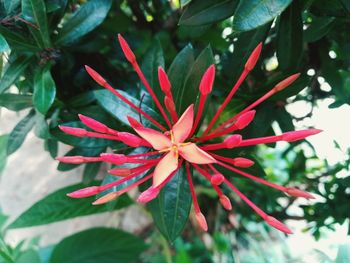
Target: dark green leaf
[(90, 172), (319, 27), (206, 12), (3, 152), (103, 245), (57, 206), (87, 18), (19, 133), (182, 64), (17, 41), (44, 91), (29, 256), (170, 210), (3, 44), (290, 37), (13, 71), (41, 129), (51, 145), (10, 5), (34, 11), (121, 110), (190, 92), (252, 14), (184, 2), (15, 102)]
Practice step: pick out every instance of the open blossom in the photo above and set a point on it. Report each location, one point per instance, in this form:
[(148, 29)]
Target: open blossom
[(177, 144)]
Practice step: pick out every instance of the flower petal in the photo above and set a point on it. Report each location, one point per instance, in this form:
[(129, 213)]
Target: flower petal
[(183, 126), (194, 154), (157, 139), (165, 167)]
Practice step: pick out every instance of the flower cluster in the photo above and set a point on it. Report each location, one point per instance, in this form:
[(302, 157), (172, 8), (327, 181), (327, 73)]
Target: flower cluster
[(176, 145)]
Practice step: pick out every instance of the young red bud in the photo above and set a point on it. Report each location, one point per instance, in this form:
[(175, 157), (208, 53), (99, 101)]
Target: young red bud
[(114, 158), (286, 82), (133, 122), (299, 135), (245, 119), (120, 171), (85, 192), (79, 132), (217, 179), (225, 202), (106, 198), (202, 222), (253, 58), (93, 124), (277, 224), (71, 159), (242, 162), (163, 80), (130, 56), (148, 195), (233, 141), (130, 139), (96, 77), (207, 81), (299, 193)]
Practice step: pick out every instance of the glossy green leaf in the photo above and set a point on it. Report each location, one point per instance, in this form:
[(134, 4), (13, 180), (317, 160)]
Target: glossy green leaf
[(57, 207), (86, 19), (51, 145), (17, 41), (206, 12), (184, 2), (34, 11), (319, 27), (3, 44), (3, 152), (13, 70), (44, 91), (170, 210), (41, 128), (29, 256), (90, 172), (252, 14), (178, 71), (19, 133), (121, 110), (15, 102), (103, 245), (10, 5), (290, 37)]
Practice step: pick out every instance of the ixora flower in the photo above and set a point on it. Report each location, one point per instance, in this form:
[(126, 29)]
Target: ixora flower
[(177, 145)]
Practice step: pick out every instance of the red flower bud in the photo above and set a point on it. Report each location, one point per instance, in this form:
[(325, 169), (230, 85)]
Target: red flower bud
[(148, 195), (232, 141), (120, 171), (96, 77), (93, 124), (163, 80), (299, 193), (225, 202), (253, 58), (130, 139), (207, 81), (286, 82), (299, 135), (202, 222), (217, 179), (245, 119), (71, 159), (242, 162), (278, 225), (130, 56), (79, 132), (85, 192), (114, 158)]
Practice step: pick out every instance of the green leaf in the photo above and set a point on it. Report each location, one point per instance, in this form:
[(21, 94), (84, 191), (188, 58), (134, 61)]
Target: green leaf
[(44, 91), (15, 102), (90, 172), (290, 37), (87, 18), (3, 152), (17, 41), (10, 5), (190, 92), (57, 207), (178, 71), (206, 12), (104, 245), (319, 27), (41, 129), (29, 256), (34, 11), (14, 69), (184, 2), (170, 210), (121, 110), (252, 14), (343, 255), (19, 133), (3, 44), (51, 145)]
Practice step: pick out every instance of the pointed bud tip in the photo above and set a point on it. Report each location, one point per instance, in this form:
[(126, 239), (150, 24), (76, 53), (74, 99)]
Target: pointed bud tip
[(130, 56), (207, 81), (233, 141), (71, 159), (286, 82), (225, 202), (299, 135), (85, 192), (202, 222), (242, 162), (106, 198), (254, 57), (278, 225), (95, 76), (299, 193), (148, 195), (245, 119)]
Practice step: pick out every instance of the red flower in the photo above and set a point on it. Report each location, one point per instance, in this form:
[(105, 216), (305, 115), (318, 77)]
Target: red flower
[(176, 145)]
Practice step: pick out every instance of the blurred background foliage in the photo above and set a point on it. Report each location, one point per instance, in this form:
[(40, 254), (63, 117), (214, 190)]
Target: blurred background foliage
[(46, 43)]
